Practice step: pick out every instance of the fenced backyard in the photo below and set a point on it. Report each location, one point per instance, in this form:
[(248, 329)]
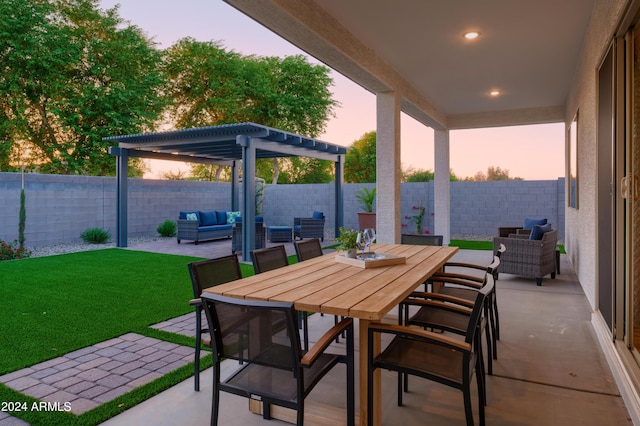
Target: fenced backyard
[(59, 208)]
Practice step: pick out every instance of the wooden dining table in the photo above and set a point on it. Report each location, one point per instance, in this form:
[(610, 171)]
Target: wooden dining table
[(325, 285)]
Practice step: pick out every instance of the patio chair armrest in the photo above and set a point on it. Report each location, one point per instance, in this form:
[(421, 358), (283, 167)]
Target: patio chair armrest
[(461, 279), (415, 332), (466, 265), (195, 302), (440, 301), (446, 278), (324, 341)]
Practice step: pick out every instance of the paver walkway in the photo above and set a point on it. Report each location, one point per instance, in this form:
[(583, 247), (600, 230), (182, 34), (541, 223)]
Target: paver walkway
[(86, 378)]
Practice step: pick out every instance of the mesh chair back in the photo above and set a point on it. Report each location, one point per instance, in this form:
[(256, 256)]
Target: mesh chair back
[(421, 240), (478, 308), (269, 258), (211, 272), (308, 249), (263, 333)]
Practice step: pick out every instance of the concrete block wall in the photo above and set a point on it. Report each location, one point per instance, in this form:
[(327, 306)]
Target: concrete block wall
[(60, 208)]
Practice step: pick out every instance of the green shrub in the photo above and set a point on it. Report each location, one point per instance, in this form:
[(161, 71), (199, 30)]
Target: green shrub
[(95, 236), (10, 251), (167, 228)]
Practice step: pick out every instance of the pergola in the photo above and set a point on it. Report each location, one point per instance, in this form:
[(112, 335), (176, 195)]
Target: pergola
[(225, 145)]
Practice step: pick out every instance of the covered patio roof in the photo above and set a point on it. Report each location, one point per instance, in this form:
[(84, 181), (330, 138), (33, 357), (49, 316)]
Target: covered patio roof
[(224, 145)]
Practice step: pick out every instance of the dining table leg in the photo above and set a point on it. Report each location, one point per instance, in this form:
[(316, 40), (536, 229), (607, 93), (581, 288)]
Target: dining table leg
[(377, 389)]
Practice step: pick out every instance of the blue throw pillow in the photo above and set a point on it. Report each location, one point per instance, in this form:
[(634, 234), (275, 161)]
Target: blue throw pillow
[(208, 218), (317, 215), (530, 223), (221, 217), (538, 231)]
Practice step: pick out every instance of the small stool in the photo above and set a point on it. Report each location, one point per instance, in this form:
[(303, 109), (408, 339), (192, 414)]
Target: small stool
[(279, 234)]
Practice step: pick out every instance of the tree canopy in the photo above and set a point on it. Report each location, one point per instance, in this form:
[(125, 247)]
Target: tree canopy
[(493, 174), (72, 74), (212, 86), (360, 161)]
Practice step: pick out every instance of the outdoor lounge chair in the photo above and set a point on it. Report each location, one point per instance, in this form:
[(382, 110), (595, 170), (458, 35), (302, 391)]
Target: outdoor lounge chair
[(529, 257), (275, 370), (309, 227), (204, 274), (433, 356)]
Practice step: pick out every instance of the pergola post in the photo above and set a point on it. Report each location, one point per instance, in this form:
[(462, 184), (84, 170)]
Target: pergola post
[(339, 194), (235, 187), (249, 196), (122, 174)]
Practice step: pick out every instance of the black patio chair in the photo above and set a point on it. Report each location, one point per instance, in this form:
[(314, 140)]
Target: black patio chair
[(308, 249), (275, 370), (437, 357), (453, 291), (204, 274), (267, 259), (495, 316)]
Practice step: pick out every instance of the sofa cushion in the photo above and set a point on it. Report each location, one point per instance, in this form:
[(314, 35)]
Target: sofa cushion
[(231, 217), (183, 215), (226, 226), (208, 218), (530, 223), (221, 216), (317, 215), (539, 230)]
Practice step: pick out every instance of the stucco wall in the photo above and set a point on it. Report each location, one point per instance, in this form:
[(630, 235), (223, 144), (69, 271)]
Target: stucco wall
[(60, 208), (580, 236)]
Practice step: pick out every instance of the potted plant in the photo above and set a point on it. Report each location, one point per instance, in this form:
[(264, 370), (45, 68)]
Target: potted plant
[(366, 197), (347, 239)]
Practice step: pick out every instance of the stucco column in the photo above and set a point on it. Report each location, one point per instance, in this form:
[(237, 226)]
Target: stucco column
[(388, 167), (442, 198)]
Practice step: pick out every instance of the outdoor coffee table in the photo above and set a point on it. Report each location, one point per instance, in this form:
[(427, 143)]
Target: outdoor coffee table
[(325, 285), (279, 234)]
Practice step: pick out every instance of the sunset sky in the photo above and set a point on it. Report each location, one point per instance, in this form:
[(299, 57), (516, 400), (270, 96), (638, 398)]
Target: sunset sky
[(167, 21)]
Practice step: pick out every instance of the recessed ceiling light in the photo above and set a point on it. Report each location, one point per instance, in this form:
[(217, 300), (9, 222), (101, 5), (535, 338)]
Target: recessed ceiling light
[(471, 35), (494, 92)]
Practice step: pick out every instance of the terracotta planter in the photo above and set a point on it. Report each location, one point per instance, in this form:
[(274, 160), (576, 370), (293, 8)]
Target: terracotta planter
[(367, 220)]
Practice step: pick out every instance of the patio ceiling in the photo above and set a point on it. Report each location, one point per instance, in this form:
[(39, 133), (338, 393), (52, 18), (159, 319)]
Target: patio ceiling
[(218, 144), (527, 50)]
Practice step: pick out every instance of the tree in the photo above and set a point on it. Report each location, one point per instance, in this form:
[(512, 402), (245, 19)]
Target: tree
[(494, 174), (210, 172), (360, 161), (307, 170), (418, 175), (73, 74), (213, 86)]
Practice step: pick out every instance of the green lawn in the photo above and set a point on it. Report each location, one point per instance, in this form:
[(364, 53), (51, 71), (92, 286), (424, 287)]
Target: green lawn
[(57, 304)]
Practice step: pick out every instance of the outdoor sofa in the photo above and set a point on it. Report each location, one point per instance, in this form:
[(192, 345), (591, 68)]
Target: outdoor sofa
[(198, 226)]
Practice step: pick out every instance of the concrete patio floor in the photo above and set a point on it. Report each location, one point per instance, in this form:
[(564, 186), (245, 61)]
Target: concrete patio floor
[(550, 369)]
